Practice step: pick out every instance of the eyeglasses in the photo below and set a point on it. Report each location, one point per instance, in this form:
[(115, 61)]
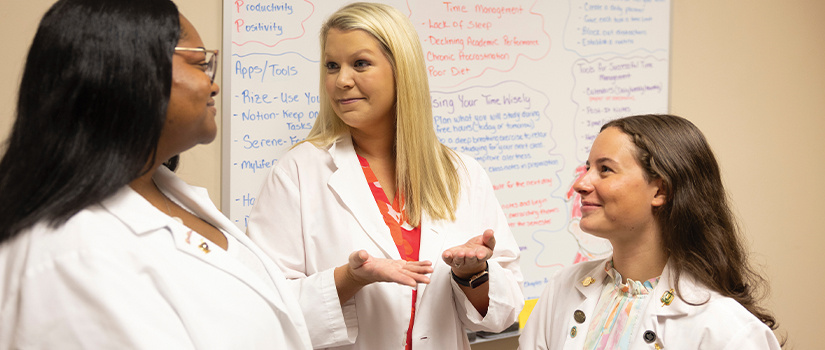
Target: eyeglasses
[(211, 61)]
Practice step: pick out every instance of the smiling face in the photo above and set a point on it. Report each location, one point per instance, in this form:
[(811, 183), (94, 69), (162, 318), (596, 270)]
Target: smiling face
[(359, 80), (190, 117), (617, 199)]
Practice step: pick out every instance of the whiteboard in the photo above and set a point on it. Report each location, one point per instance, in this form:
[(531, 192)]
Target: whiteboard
[(521, 85)]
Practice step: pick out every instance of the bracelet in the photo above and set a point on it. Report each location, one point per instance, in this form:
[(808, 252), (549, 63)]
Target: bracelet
[(475, 281)]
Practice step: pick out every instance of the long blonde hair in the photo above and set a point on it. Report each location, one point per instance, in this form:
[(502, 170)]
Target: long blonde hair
[(425, 171)]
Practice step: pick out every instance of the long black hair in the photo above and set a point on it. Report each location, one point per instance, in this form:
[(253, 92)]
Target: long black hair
[(91, 106)]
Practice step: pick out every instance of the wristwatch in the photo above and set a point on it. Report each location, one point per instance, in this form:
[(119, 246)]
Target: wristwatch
[(475, 281)]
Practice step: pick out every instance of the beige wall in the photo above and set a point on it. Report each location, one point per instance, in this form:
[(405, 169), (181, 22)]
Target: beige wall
[(750, 74)]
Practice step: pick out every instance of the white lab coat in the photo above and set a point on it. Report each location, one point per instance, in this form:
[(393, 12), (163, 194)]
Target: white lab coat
[(123, 275), (721, 323), (316, 208)]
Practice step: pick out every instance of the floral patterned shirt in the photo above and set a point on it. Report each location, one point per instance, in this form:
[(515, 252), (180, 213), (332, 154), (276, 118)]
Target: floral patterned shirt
[(617, 312)]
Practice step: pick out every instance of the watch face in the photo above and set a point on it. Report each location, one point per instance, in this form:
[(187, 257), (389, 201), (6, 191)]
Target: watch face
[(479, 279)]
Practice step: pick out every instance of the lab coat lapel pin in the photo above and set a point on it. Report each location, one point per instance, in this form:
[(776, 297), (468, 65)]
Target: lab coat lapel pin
[(667, 297)]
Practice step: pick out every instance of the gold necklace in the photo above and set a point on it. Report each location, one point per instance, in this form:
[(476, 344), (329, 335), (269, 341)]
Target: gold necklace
[(166, 201)]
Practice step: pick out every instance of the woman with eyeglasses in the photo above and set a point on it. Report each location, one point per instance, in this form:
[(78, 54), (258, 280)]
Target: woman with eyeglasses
[(101, 245)]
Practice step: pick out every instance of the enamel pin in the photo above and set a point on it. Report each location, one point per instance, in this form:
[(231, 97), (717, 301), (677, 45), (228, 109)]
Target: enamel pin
[(667, 298)]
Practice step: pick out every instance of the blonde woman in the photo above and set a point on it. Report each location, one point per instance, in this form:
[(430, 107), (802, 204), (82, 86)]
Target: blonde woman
[(372, 176)]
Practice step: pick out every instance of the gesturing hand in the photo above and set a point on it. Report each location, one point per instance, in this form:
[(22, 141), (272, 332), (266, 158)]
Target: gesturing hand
[(470, 258), (364, 269)]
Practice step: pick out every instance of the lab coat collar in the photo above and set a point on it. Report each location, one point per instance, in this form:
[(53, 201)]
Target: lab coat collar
[(349, 183), (592, 289), (689, 289), (189, 196), (358, 198), (134, 211), (141, 217)]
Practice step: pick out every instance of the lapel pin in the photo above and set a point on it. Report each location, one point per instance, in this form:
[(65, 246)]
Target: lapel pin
[(588, 281), (203, 246), (667, 298), (579, 316)]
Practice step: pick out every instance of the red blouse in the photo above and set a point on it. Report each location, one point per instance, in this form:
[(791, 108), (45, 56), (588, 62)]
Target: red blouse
[(406, 237)]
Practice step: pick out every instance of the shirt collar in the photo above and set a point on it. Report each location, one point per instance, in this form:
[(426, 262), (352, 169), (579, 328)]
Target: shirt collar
[(632, 287)]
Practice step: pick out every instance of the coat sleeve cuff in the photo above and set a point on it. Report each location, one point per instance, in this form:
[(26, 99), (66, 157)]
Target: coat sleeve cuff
[(330, 324), (506, 301)]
